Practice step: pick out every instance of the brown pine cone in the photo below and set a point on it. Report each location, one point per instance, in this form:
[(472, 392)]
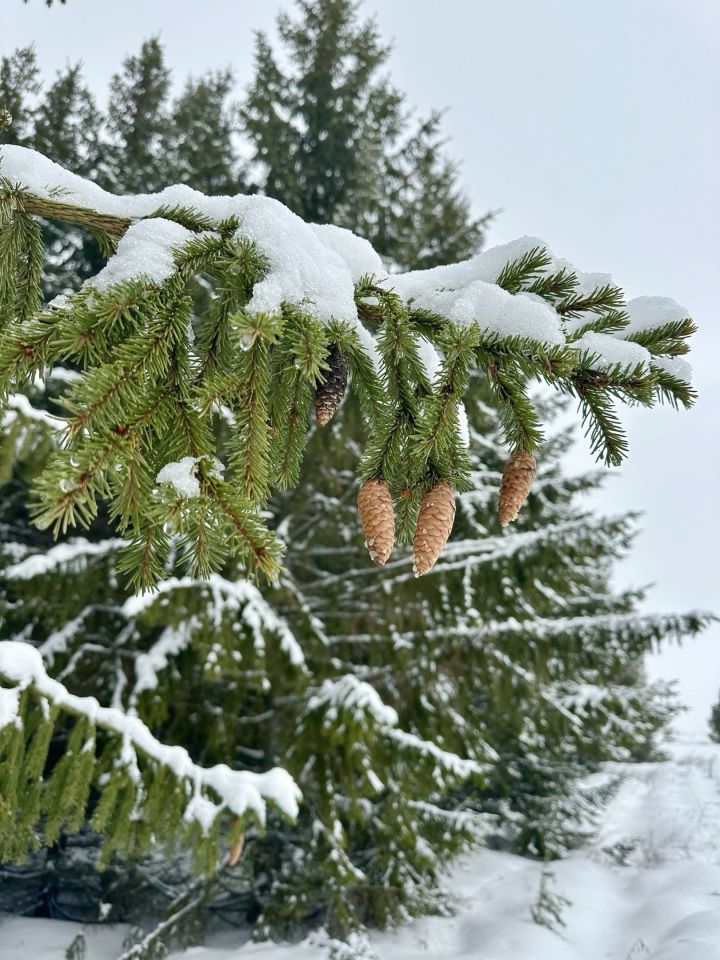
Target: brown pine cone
[(434, 523), (375, 507), (517, 480), (236, 850), (331, 390)]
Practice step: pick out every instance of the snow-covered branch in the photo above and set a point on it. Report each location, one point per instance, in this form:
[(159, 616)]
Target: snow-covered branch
[(210, 790)]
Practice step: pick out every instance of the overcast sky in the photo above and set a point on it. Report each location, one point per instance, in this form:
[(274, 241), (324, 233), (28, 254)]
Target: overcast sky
[(592, 125)]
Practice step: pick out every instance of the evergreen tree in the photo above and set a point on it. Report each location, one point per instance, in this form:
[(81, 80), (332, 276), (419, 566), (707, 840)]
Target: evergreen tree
[(18, 85), (199, 146), (138, 121), (67, 127), (334, 141), (715, 723), (67, 124)]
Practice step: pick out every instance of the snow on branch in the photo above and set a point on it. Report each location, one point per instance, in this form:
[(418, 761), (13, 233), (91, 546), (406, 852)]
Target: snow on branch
[(71, 555), (210, 790), (18, 406), (350, 700), (297, 312), (317, 265), (239, 599)]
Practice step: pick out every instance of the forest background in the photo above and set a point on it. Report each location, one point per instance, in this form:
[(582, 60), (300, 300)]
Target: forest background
[(606, 148)]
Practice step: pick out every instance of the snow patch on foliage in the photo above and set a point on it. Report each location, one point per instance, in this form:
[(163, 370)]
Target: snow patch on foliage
[(57, 642), (145, 250), (181, 476), (73, 555), (315, 266), (356, 696), (449, 762), (467, 293), (676, 366), (17, 404), (236, 598), (359, 254), (9, 707), (172, 641), (611, 352), (647, 313), (348, 694)]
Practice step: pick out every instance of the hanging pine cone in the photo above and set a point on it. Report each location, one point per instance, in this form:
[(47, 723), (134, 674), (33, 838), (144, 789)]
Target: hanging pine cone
[(517, 479), (236, 850), (375, 507), (434, 523), (331, 390)]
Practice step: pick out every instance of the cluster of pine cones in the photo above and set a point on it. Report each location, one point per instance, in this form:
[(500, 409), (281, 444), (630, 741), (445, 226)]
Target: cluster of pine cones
[(437, 508)]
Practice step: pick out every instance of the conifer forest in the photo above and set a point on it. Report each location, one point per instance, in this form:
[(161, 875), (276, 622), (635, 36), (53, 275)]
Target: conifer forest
[(315, 642)]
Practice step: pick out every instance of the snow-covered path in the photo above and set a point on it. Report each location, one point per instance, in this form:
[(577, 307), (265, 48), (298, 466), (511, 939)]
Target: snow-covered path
[(648, 888)]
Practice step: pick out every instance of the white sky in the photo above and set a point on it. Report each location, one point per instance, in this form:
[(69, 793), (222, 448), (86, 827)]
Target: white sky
[(593, 125)]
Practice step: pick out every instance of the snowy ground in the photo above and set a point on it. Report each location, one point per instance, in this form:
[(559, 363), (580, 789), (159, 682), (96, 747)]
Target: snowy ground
[(648, 888)]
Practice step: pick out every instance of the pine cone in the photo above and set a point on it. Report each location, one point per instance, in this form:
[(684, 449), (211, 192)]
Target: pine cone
[(375, 507), (331, 390), (434, 523), (236, 850), (517, 479)]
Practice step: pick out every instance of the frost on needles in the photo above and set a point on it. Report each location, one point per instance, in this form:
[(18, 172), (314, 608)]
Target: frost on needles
[(217, 310)]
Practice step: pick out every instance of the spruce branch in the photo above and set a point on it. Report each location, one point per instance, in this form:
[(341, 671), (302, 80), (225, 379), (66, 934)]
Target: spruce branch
[(524, 271), (606, 299), (554, 287), (673, 389), (145, 778), (602, 426), (436, 443), (667, 339), (614, 321), (54, 209), (519, 420), (165, 336)]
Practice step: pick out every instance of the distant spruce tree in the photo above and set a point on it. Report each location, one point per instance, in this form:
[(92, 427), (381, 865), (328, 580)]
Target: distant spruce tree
[(19, 83), (199, 142), (138, 121), (335, 142), (67, 123), (67, 126)]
